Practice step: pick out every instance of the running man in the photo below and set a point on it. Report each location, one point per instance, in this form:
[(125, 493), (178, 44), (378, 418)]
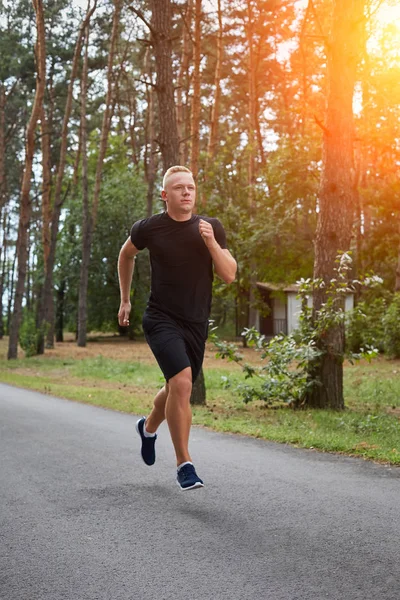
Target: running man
[(183, 248)]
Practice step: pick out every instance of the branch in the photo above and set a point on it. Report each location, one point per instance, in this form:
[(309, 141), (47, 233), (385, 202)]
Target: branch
[(320, 124), (144, 41), (311, 8), (153, 85), (9, 134), (317, 19), (186, 139), (187, 26), (141, 16), (14, 85)]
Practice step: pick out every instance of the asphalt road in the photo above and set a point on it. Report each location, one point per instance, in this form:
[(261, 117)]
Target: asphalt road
[(82, 518)]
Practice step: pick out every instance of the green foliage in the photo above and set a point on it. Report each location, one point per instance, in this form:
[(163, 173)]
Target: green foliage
[(283, 378), (291, 359), (364, 325), (317, 324), (30, 334), (391, 322), (274, 238), (122, 202)]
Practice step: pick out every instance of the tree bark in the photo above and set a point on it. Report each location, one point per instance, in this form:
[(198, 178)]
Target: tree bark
[(48, 301), (3, 263), (87, 225), (251, 148), (195, 117), (198, 396), (46, 185), (336, 193), (59, 324), (214, 121), (90, 221), (132, 124), (46, 221), (11, 291), (150, 159), (3, 101), (397, 282), (183, 86), (26, 204), (252, 144), (161, 26), (150, 164), (214, 125)]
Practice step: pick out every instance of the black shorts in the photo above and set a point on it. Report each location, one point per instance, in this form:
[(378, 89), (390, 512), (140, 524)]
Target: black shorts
[(176, 344)]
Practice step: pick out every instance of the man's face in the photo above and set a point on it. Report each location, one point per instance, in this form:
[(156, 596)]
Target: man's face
[(180, 192)]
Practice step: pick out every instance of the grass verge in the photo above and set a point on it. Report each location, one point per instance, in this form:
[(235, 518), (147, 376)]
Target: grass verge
[(369, 427)]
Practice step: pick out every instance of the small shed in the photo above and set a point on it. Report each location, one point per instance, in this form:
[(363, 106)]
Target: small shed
[(284, 308)]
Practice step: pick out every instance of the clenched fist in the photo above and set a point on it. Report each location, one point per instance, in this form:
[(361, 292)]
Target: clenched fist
[(207, 233)]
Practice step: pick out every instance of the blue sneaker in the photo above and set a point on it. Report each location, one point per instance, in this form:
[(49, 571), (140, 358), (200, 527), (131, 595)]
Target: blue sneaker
[(147, 451), (187, 478)]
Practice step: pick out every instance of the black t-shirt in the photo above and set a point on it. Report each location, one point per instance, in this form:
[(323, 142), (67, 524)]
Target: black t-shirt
[(181, 264)]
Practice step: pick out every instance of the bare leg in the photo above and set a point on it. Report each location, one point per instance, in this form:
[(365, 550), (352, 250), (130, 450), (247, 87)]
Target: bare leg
[(179, 414), (157, 415)]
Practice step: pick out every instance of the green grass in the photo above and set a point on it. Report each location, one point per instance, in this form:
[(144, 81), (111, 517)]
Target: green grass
[(373, 387), (369, 427)]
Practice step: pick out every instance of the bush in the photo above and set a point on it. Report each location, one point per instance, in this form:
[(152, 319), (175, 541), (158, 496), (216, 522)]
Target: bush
[(391, 323), (292, 360), (29, 334), (364, 326)]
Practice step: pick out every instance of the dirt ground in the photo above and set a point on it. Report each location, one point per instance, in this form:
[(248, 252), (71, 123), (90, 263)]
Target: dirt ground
[(121, 348)]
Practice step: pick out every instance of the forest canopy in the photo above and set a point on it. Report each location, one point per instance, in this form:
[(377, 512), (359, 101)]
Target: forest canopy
[(88, 98)]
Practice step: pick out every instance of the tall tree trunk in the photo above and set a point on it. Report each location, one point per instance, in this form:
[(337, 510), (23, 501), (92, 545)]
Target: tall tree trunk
[(259, 135), (168, 137), (48, 302), (28, 279), (195, 120), (214, 125), (11, 291), (26, 204), (252, 147), (90, 222), (3, 100), (397, 282), (358, 262), (161, 27), (3, 263), (214, 122), (59, 328), (182, 86), (46, 185), (150, 165), (132, 125), (150, 151), (86, 230), (336, 193), (46, 221), (362, 148), (252, 143)]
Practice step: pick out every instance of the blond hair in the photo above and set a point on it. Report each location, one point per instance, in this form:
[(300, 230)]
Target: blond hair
[(175, 169)]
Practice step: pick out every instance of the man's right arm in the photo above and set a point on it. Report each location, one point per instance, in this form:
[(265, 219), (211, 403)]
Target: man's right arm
[(126, 262)]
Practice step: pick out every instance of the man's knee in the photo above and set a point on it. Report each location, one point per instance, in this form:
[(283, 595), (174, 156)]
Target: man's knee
[(181, 383)]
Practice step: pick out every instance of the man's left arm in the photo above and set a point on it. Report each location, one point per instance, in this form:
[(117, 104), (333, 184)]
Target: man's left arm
[(224, 263)]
